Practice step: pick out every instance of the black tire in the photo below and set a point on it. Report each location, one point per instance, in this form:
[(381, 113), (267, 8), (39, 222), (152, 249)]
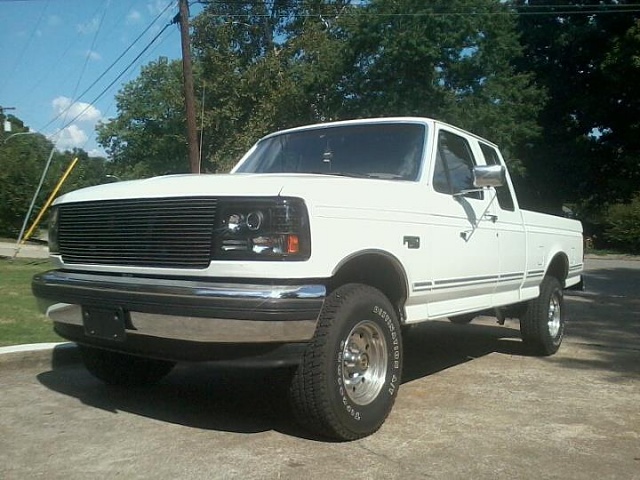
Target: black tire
[(462, 319), (349, 376), (543, 324), (116, 368)]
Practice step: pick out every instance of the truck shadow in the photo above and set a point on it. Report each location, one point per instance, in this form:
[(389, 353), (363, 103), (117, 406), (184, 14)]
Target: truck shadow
[(603, 334), (435, 346), (606, 330), (208, 397)]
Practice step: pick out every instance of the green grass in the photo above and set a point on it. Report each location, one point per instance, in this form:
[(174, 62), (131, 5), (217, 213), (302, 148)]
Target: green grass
[(20, 320)]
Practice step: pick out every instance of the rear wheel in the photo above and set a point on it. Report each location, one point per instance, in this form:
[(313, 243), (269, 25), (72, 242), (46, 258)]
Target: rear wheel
[(543, 324), (348, 379), (116, 368)]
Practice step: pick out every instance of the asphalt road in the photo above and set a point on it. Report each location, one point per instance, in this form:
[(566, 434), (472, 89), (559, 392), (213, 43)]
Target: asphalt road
[(472, 406)]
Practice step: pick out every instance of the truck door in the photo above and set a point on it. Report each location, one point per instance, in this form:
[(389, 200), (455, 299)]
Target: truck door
[(511, 236), (463, 247)]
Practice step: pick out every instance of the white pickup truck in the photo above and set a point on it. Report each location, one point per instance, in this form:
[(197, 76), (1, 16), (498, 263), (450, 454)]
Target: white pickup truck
[(314, 252)]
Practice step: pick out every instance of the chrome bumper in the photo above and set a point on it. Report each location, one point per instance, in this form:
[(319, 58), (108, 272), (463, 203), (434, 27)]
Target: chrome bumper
[(193, 311)]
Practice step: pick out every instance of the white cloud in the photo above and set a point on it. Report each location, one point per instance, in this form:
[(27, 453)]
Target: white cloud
[(84, 111), (134, 16), (95, 56), (90, 27), (97, 152), (70, 137)]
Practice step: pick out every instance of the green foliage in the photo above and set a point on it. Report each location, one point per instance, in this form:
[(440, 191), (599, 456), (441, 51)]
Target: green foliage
[(87, 172), (622, 228), (449, 59), (262, 66), (269, 70), (23, 159), (590, 144), (148, 135)]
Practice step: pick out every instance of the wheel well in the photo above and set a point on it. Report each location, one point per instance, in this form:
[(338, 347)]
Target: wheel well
[(559, 267), (378, 270)]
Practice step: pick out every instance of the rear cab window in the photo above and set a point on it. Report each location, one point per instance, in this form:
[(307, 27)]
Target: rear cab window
[(491, 157)]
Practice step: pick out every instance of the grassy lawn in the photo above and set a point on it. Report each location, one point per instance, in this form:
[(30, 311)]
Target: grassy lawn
[(20, 320)]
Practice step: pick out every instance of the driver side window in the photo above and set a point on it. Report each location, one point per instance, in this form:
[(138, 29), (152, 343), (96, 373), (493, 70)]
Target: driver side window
[(454, 165)]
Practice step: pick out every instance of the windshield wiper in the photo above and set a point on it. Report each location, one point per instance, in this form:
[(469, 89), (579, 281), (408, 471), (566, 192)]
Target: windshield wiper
[(342, 174)]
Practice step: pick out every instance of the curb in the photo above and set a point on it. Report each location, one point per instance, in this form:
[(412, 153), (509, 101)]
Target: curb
[(41, 355)]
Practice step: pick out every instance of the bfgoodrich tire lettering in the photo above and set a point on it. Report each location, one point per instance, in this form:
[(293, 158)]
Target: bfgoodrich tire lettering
[(543, 324), (121, 369), (349, 377)]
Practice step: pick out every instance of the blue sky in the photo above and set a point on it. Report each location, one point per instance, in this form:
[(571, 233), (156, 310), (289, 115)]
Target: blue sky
[(53, 50)]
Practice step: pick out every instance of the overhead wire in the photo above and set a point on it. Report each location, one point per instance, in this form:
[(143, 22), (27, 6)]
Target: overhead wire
[(86, 60), (129, 74), (108, 69), (106, 89), (47, 70), (22, 56)]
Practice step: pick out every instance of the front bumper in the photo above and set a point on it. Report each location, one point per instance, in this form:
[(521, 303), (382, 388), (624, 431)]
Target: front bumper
[(183, 310)]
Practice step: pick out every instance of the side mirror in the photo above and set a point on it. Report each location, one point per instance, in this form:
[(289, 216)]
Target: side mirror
[(489, 176)]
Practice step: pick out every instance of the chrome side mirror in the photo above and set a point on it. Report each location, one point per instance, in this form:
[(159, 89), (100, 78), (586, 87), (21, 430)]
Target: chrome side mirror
[(489, 176)]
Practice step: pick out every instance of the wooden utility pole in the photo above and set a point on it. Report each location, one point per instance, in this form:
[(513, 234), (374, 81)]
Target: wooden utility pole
[(189, 99)]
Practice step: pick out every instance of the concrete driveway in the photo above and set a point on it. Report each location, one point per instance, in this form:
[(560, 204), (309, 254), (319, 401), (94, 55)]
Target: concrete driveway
[(472, 406)]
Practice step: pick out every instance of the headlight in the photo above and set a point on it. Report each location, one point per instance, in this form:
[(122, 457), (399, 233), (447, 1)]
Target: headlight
[(262, 229), (54, 247)]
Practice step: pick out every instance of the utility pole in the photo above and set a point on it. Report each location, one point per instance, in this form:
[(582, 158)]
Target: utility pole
[(189, 99)]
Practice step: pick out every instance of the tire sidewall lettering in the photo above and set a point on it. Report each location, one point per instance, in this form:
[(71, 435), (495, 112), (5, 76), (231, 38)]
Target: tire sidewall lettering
[(380, 316)]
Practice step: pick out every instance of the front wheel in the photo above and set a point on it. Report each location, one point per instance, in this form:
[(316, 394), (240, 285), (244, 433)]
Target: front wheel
[(121, 369), (543, 324), (349, 376)]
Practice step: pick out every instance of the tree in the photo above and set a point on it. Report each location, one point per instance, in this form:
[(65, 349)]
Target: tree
[(265, 66), (148, 135), (89, 171), (23, 159), (585, 54), (262, 66), (451, 59)]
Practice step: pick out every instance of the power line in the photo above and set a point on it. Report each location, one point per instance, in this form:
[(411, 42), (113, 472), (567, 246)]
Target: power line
[(104, 73), (86, 60), (25, 47), (106, 89)]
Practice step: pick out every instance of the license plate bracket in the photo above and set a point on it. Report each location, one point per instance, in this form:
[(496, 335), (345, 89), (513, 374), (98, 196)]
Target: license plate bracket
[(105, 323)]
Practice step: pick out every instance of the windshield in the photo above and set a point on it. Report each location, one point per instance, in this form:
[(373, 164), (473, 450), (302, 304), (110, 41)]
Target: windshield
[(381, 150)]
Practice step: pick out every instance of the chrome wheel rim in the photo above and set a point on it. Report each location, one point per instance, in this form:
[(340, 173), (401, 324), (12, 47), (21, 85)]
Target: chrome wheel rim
[(553, 319), (364, 362)]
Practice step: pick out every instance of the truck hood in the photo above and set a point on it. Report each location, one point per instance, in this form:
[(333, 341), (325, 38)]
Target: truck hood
[(316, 189)]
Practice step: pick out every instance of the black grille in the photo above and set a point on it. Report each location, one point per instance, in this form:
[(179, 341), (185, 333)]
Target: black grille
[(158, 232)]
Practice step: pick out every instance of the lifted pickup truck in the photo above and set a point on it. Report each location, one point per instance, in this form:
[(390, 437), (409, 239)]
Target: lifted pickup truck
[(319, 246)]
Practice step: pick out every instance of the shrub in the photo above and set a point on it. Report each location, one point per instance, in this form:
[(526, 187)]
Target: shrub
[(623, 225)]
